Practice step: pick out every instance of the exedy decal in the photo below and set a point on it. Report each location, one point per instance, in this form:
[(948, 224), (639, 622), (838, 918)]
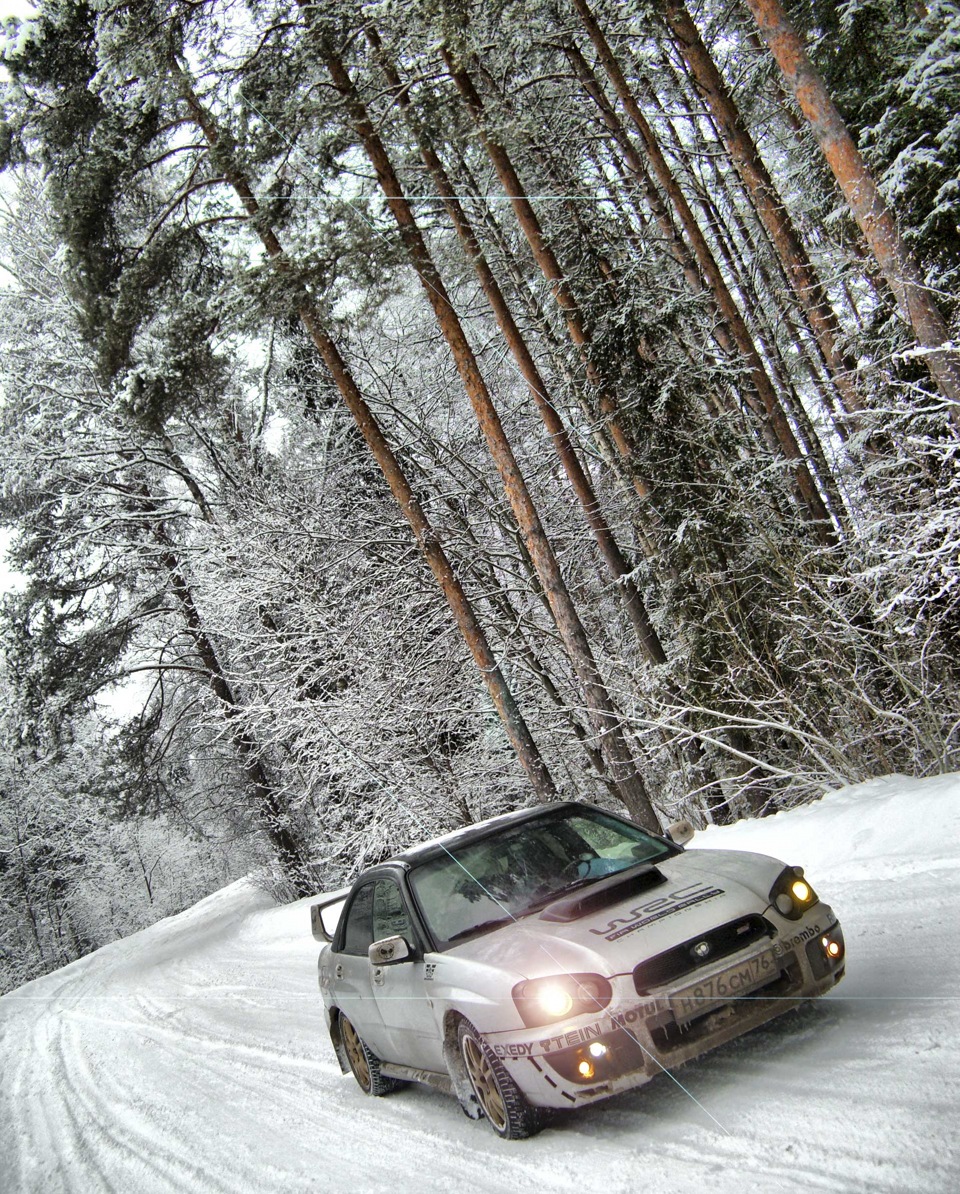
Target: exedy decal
[(523, 1049), (651, 910)]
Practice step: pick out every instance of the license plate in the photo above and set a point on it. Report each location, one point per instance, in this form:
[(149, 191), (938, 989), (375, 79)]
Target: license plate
[(728, 984)]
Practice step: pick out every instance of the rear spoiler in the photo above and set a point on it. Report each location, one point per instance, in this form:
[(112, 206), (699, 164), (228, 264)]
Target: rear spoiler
[(323, 926)]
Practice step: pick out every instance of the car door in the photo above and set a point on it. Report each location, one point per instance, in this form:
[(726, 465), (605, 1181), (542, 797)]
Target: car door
[(352, 972), (400, 989)]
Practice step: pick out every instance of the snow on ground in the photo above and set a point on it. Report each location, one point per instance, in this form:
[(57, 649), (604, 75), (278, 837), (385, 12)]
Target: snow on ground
[(192, 1056)]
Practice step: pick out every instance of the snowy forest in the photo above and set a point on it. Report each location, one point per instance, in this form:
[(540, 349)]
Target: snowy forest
[(412, 411)]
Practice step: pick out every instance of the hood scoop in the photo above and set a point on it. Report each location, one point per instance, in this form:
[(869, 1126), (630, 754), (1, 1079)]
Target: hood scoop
[(602, 894)]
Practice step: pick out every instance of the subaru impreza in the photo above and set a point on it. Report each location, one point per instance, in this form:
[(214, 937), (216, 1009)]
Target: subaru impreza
[(556, 956)]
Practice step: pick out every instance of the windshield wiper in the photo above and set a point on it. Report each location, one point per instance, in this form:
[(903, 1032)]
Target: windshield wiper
[(558, 893), (483, 927)]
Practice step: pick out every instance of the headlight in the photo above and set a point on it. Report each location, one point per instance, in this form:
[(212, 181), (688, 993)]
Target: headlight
[(544, 1000), (792, 895)]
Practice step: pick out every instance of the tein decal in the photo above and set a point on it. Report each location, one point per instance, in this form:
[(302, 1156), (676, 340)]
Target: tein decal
[(645, 914), (581, 1036)]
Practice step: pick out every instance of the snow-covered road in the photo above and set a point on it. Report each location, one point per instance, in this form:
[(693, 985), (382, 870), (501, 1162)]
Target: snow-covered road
[(192, 1056)]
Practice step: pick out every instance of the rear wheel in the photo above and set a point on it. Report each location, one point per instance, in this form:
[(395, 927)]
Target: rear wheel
[(364, 1064), (500, 1099)]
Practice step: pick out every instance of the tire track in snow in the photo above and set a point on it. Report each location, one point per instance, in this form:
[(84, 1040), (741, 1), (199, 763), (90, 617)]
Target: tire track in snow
[(61, 1143), (135, 1144)]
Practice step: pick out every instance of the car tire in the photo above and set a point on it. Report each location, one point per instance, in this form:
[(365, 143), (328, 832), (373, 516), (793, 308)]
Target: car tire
[(364, 1064), (499, 1097)]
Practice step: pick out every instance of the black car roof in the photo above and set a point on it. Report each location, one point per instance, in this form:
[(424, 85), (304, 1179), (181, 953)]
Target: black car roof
[(437, 846), (472, 833)]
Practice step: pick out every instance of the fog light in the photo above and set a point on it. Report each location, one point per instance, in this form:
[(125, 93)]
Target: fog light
[(598, 1050), (585, 1069), (833, 949)]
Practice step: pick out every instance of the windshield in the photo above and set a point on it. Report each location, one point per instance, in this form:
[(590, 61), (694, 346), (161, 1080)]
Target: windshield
[(477, 887)]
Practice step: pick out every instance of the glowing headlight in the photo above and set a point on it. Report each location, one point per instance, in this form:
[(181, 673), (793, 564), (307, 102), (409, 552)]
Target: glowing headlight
[(792, 895), (544, 1000), (555, 1001)]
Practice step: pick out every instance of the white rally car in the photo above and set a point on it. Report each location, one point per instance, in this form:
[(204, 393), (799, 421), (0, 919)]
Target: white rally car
[(555, 956)]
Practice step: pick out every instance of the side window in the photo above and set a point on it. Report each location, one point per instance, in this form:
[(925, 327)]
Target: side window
[(358, 931), (389, 914)]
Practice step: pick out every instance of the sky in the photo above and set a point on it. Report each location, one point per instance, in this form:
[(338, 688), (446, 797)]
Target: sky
[(15, 8), (8, 580)]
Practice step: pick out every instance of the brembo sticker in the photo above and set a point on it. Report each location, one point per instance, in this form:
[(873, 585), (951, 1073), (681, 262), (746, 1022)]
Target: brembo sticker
[(782, 947), (647, 913)]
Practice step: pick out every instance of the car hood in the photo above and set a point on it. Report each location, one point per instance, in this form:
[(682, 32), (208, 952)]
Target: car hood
[(690, 893)]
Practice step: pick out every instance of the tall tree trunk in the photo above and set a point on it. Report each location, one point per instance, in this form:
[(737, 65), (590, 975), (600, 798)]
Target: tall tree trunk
[(676, 246), (646, 519), (720, 206), (811, 502), (766, 201), (604, 717), (861, 193), (548, 264), (514, 724), (609, 548), (738, 242), (512, 616)]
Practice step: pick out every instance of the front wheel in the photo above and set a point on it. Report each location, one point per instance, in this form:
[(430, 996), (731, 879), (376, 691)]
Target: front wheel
[(500, 1099), (364, 1064)]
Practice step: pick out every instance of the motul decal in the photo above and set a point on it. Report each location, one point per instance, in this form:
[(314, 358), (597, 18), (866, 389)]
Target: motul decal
[(633, 1014), (646, 913)]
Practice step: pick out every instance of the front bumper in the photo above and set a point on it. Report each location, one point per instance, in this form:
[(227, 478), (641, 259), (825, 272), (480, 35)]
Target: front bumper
[(636, 1037)]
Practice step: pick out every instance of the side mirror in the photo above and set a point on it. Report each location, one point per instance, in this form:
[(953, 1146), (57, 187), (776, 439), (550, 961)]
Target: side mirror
[(680, 832), (388, 951), (325, 916)]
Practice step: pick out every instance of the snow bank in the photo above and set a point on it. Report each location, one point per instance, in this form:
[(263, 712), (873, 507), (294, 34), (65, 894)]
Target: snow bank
[(906, 822)]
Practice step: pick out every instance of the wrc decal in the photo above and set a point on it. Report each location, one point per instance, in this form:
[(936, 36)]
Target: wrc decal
[(651, 910)]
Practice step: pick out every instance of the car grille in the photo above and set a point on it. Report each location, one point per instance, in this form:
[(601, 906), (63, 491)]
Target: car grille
[(681, 959)]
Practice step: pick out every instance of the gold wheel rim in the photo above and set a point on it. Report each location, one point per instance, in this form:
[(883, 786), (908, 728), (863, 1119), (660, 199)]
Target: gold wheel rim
[(484, 1082), (355, 1053)]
